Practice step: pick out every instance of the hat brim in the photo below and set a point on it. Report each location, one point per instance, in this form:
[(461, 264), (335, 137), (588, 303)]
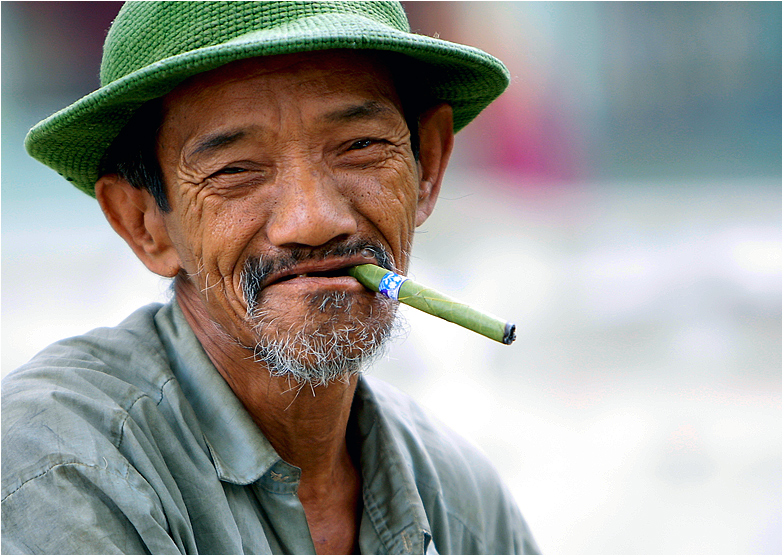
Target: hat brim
[(74, 140)]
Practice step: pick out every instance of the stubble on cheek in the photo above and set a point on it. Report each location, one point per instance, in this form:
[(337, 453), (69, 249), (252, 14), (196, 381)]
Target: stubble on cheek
[(212, 269)]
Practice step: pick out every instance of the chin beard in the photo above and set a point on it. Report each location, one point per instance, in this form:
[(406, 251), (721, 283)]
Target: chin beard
[(331, 344), (337, 337)]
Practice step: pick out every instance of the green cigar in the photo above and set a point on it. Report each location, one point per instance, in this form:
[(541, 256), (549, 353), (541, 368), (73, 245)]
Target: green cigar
[(430, 301)]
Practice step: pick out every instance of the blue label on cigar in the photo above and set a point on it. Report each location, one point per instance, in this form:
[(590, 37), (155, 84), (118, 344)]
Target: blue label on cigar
[(390, 285)]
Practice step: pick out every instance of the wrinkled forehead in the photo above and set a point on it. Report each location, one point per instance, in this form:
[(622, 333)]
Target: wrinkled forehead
[(291, 77)]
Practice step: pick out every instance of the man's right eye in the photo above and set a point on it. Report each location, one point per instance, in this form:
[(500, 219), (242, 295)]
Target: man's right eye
[(361, 144), (230, 170)]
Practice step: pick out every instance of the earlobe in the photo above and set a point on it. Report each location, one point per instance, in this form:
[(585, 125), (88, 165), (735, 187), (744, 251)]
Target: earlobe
[(436, 138), (133, 214)]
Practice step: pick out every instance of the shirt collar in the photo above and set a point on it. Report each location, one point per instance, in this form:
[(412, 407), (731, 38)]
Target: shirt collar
[(391, 497), (242, 455), (240, 451)]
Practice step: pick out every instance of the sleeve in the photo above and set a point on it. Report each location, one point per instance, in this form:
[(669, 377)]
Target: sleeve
[(507, 530), (469, 508), (78, 509)]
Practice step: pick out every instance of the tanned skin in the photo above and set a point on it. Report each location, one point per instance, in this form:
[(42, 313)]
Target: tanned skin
[(261, 157)]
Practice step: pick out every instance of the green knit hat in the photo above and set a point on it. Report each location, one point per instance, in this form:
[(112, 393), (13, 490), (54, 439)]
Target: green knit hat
[(153, 46)]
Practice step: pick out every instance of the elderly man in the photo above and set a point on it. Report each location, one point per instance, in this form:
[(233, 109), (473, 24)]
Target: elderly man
[(253, 152)]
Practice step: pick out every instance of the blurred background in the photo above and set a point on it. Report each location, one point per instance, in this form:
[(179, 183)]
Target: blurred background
[(621, 202)]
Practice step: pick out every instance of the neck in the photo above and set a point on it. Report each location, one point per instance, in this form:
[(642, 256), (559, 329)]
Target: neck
[(305, 425)]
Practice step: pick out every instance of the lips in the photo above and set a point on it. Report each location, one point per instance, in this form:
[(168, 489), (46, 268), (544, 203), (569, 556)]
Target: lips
[(333, 269), (329, 274)]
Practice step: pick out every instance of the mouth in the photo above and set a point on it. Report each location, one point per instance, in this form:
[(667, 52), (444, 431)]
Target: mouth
[(319, 273), (342, 272)]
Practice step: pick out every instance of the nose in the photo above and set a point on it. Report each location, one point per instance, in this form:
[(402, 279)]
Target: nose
[(310, 210)]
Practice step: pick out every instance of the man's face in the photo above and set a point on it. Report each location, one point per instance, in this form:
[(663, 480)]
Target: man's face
[(282, 172)]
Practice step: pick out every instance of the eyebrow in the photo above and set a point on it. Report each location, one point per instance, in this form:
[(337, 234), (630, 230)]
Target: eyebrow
[(364, 111), (216, 141)]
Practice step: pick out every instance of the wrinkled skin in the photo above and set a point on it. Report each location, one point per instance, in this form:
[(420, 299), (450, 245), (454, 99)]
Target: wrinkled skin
[(301, 175), (262, 158)]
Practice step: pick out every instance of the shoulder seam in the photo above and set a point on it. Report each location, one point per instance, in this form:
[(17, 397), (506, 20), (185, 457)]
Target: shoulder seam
[(130, 407), (53, 466), (160, 391), (128, 415)]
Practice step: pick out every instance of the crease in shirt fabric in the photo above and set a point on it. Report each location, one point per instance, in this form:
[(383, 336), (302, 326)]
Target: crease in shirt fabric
[(145, 449)]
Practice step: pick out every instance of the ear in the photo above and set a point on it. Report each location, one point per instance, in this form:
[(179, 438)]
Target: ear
[(135, 216), (435, 146)]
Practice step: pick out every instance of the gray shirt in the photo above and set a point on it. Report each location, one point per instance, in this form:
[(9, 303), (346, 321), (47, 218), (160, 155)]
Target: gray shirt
[(128, 440)]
